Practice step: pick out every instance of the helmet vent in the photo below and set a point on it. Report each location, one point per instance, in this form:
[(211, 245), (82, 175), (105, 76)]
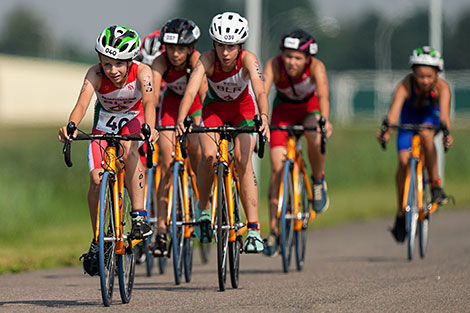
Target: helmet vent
[(230, 17), (227, 30), (124, 47), (220, 29)]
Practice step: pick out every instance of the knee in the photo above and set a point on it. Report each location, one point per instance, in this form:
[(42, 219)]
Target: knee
[(207, 160), (242, 165), (95, 182)]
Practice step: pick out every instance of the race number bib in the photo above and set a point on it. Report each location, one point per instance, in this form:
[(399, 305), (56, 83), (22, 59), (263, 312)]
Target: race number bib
[(112, 122)]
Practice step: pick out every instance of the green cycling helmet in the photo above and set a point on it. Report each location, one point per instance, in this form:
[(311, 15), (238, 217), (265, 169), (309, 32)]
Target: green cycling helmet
[(118, 42)]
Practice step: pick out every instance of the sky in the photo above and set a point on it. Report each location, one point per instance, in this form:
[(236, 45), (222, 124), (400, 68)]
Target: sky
[(85, 19)]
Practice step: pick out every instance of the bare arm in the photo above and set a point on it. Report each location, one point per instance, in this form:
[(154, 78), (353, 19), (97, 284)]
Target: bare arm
[(91, 82), (444, 103), (401, 93), (158, 68), (144, 83), (203, 87), (319, 76), (250, 62), (268, 74), (318, 73), (203, 65)]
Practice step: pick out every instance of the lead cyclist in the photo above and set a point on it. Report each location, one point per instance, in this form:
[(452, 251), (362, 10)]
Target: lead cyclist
[(125, 100)]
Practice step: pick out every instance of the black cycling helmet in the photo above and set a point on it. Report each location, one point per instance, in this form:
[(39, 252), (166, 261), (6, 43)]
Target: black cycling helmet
[(299, 40), (180, 31)]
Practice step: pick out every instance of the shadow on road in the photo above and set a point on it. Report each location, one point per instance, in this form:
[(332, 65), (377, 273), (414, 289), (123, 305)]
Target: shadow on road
[(368, 259), (50, 303)]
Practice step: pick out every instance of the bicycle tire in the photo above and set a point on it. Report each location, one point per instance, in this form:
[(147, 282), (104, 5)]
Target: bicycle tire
[(423, 226), (177, 227), (204, 252), (412, 212), (188, 247), (162, 265), (106, 243), (222, 232), (126, 262), (234, 248), (286, 220), (151, 211), (301, 235)]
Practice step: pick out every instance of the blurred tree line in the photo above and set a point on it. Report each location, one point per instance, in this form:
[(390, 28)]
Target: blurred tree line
[(358, 44)]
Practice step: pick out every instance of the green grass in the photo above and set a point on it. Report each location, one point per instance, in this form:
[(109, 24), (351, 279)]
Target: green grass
[(44, 215)]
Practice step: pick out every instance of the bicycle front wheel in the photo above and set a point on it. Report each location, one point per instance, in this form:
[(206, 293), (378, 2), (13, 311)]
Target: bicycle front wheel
[(189, 241), (287, 218), (151, 206), (126, 261), (177, 227), (107, 238), (222, 225), (423, 226), (235, 246), (412, 211), (301, 235)]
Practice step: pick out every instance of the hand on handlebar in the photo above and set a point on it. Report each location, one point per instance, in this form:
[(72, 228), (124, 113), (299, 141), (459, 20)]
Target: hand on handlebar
[(265, 127), (63, 134), (448, 141), (329, 129)]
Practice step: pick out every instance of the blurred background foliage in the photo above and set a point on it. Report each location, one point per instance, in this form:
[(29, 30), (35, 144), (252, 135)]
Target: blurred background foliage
[(343, 46)]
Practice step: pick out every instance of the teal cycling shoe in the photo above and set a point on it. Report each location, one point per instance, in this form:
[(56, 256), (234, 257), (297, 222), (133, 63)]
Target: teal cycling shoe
[(253, 243), (321, 202), (271, 245), (202, 229)]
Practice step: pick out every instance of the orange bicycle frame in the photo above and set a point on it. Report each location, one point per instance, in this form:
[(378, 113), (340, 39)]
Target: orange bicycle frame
[(294, 154), (230, 179), (417, 152), (187, 171)]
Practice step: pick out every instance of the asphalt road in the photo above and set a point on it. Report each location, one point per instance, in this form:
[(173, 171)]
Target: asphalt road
[(352, 268)]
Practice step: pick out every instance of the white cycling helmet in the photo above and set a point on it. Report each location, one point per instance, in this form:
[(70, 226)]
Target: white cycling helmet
[(427, 56), (118, 42), (151, 48), (229, 28)]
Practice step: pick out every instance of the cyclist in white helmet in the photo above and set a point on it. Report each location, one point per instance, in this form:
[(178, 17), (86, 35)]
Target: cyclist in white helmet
[(229, 70), (151, 48), (422, 97), (125, 100)]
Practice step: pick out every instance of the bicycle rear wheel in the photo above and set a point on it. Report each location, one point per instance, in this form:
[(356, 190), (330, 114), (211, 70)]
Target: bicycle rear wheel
[(162, 265), (412, 211), (177, 227), (189, 241), (287, 219), (106, 239), (301, 235), (222, 231), (234, 247), (126, 261), (205, 252)]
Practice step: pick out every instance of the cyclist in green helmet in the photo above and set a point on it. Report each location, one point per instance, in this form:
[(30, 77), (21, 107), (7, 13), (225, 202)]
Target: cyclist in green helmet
[(125, 100)]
